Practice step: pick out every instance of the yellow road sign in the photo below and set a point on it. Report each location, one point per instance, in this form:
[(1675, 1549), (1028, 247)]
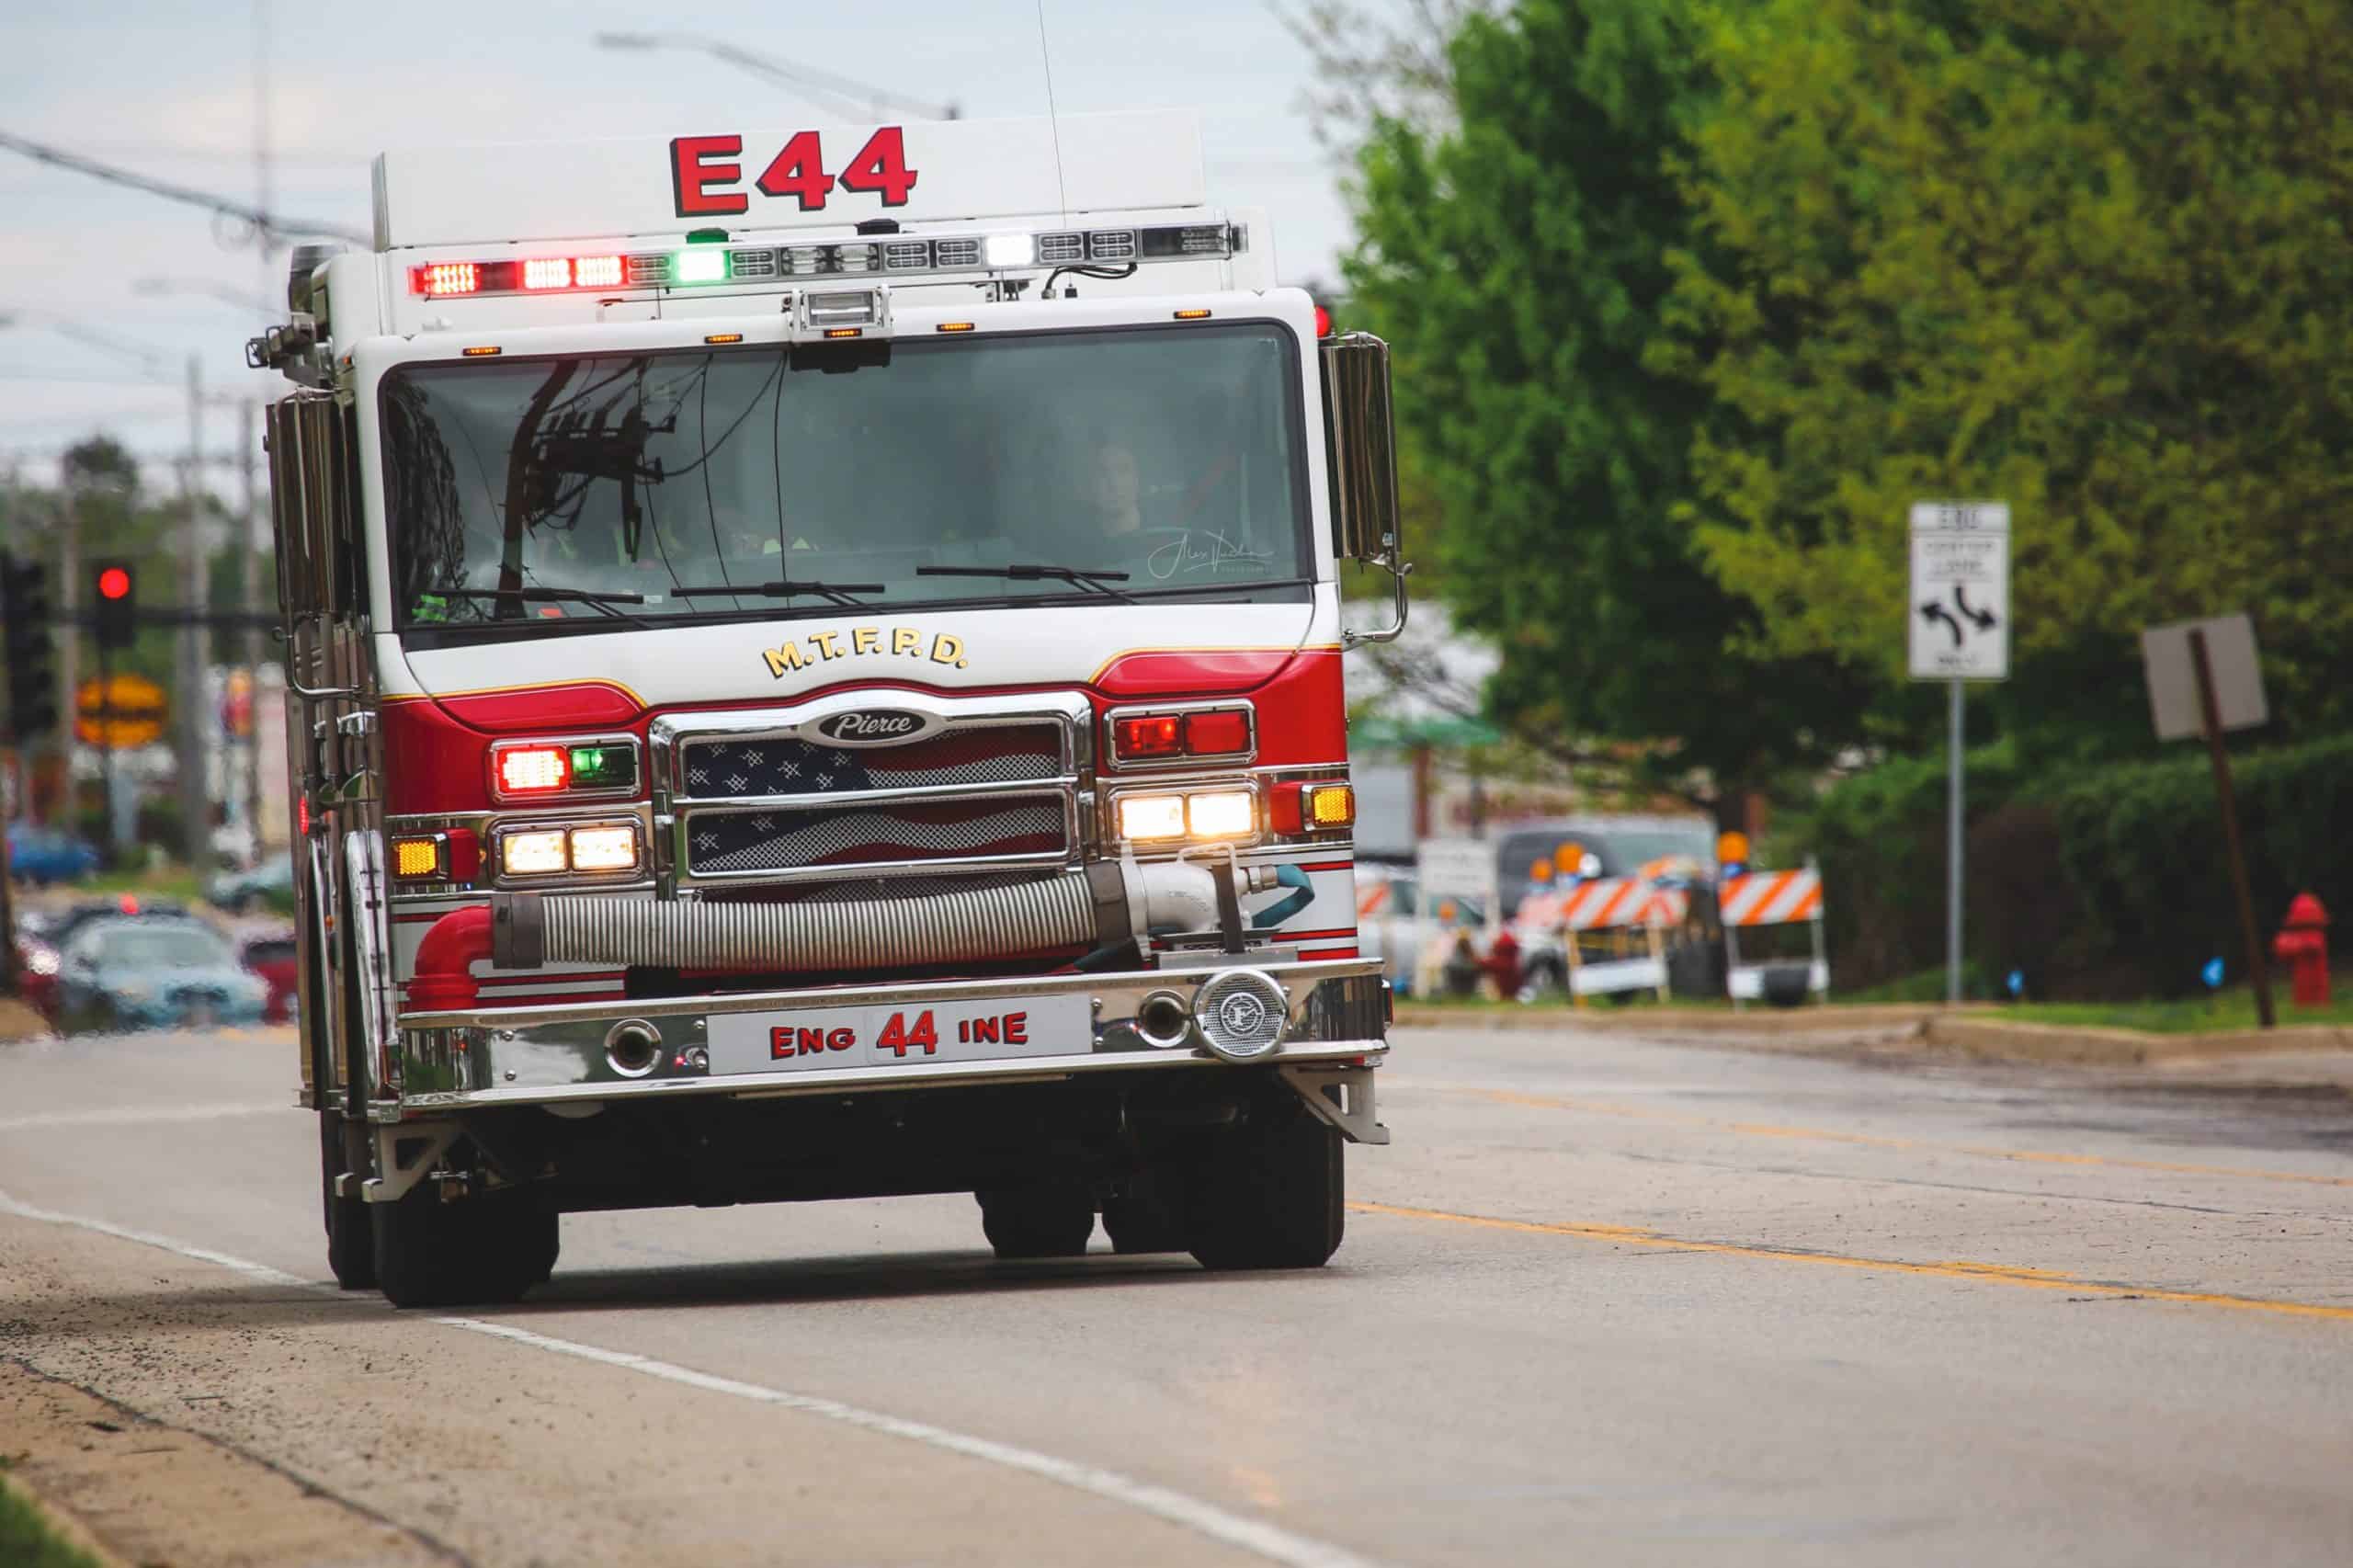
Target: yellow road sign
[(125, 711)]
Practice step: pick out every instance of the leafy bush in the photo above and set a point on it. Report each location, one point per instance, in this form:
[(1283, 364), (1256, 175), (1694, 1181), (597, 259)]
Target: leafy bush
[(1880, 837), (2097, 882), (2144, 847)]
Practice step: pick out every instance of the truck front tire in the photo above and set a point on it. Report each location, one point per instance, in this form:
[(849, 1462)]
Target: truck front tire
[(1268, 1193), (490, 1247)]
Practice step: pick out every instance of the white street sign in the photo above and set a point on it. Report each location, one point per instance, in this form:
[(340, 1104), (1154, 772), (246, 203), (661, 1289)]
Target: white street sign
[(1959, 608), (2231, 663)]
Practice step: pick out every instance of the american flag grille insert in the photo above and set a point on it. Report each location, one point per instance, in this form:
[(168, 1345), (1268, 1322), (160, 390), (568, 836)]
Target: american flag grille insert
[(994, 753), (773, 840)]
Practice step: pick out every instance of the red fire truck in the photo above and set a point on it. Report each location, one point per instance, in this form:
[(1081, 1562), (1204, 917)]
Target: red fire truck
[(814, 662)]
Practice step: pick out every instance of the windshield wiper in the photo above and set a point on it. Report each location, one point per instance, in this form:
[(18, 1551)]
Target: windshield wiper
[(1029, 572), (603, 602), (840, 593)]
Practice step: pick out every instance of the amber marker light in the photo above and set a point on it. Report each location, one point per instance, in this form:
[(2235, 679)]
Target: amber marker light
[(420, 858), (1331, 805)]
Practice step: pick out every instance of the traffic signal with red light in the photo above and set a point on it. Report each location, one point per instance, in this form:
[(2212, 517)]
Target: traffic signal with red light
[(32, 677), (115, 597)]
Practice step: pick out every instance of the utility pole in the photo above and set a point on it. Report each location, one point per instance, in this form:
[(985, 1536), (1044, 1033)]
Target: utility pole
[(250, 558), (69, 641), (249, 521), (195, 793)]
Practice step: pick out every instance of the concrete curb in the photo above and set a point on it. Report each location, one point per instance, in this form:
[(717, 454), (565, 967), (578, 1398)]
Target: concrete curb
[(1672, 1020), (1976, 1031)]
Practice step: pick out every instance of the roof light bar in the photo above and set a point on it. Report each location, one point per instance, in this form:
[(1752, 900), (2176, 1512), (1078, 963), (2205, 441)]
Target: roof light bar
[(701, 264)]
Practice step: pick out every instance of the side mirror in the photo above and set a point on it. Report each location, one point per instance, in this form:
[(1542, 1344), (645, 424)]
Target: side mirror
[(1360, 442)]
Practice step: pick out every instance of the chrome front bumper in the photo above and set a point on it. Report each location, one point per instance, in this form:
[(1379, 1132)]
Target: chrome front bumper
[(551, 1055)]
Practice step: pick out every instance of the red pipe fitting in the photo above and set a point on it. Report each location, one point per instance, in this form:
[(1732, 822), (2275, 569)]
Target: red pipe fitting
[(445, 960)]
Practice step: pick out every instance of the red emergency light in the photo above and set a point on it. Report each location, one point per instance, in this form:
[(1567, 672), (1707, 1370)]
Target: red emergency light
[(537, 275), (1223, 732), (534, 770)]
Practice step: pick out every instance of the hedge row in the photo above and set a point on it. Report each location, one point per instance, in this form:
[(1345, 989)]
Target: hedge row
[(2099, 882)]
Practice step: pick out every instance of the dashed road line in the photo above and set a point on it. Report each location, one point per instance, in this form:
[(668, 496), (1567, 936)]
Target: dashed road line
[(1982, 1273), (1870, 1141)]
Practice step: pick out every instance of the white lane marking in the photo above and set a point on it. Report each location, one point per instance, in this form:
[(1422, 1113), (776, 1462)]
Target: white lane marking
[(1269, 1542), (127, 1115), (260, 1271)]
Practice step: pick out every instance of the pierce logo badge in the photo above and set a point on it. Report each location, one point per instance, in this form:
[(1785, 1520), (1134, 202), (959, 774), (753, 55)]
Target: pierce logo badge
[(874, 727)]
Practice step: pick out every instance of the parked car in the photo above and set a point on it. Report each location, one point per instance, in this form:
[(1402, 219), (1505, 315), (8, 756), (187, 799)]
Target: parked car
[(43, 855), (151, 973), (268, 886), (41, 935), (267, 954)]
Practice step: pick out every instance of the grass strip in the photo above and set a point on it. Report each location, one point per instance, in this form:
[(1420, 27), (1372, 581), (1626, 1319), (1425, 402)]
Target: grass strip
[(26, 1540)]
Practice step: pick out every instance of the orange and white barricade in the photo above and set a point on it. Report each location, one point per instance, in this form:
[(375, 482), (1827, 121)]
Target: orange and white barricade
[(1609, 903), (1770, 898)]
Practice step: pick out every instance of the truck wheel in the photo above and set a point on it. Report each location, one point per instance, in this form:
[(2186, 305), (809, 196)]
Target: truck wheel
[(1146, 1213), (351, 1238), (1268, 1194), (1049, 1219), (487, 1248)]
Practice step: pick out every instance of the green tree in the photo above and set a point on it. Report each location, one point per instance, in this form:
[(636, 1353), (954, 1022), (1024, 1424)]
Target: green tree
[(1515, 253), (2087, 255)]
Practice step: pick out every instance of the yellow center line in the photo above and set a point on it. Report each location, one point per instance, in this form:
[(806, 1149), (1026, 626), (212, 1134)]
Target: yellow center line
[(1985, 1273), (1869, 1140)]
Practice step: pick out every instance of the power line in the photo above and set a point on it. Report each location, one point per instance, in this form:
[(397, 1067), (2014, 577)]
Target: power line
[(811, 83), (261, 222)]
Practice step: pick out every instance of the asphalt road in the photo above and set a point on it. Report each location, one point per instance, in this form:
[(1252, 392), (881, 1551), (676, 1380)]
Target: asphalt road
[(1603, 1301)]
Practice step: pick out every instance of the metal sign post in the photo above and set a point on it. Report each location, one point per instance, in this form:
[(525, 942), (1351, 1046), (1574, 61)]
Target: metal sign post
[(1959, 615), (2204, 679)]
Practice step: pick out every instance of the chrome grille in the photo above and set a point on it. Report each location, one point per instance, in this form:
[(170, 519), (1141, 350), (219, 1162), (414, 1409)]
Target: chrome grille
[(997, 754), (761, 798), (758, 839)]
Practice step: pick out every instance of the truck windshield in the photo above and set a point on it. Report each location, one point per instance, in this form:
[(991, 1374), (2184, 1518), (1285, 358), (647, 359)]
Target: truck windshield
[(1172, 455)]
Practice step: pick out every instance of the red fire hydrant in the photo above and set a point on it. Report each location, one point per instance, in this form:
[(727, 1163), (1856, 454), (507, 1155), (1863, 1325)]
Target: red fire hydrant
[(2302, 945), (1502, 964)]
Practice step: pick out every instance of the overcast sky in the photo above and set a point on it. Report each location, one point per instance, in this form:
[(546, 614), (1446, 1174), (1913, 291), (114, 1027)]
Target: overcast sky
[(167, 88)]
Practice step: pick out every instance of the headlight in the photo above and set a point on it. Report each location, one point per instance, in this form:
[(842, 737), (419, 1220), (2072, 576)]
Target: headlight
[(1151, 816), (41, 960), (1227, 814), (535, 854), (604, 849), (1203, 814)]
